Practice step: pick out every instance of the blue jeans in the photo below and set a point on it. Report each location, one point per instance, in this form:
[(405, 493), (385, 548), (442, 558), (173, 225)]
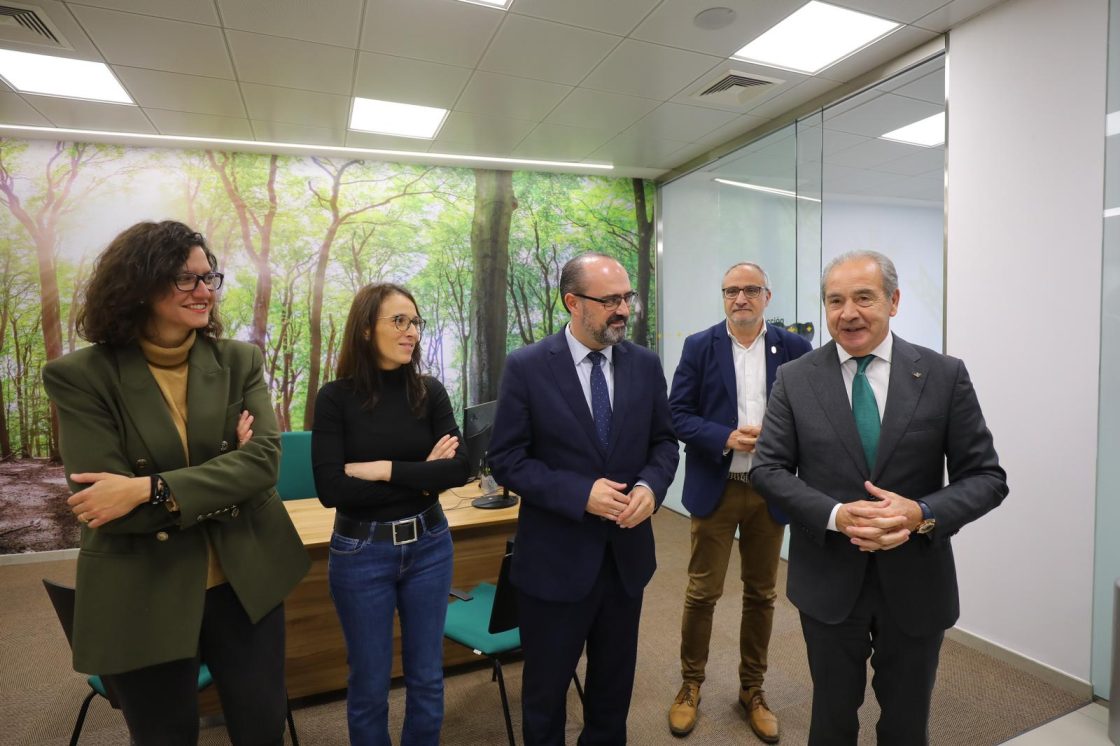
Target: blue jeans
[(368, 580)]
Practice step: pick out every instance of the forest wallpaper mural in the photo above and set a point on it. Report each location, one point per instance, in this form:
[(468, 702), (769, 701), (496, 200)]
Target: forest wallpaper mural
[(296, 237)]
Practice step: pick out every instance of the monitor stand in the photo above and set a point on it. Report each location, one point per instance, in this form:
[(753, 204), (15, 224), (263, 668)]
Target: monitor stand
[(493, 497)]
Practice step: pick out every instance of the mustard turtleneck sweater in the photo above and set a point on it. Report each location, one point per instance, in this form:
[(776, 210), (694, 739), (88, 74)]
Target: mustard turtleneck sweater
[(169, 367)]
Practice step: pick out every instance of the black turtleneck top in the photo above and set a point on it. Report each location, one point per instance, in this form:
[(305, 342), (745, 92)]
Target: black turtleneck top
[(347, 431)]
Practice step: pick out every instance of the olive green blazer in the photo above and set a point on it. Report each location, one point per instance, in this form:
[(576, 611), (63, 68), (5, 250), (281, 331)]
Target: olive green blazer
[(141, 578)]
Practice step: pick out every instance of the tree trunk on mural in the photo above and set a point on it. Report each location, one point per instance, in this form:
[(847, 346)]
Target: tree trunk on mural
[(249, 221), (640, 334), (41, 216), (494, 204)]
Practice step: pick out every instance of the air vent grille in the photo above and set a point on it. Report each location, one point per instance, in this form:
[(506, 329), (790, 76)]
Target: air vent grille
[(734, 89), (29, 24), (734, 81)]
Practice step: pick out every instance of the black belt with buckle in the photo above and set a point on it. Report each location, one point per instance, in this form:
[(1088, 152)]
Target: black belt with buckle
[(404, 531), (739, 476)]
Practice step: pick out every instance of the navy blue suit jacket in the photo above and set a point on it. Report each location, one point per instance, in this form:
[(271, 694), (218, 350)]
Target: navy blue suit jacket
[(705, 408), (545, 449)]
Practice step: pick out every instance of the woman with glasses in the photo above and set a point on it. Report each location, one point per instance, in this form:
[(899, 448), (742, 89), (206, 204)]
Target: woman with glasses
[(384, 445), (186, 551)]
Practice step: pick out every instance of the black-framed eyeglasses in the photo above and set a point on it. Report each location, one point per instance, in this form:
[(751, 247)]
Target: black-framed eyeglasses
[(611, 302), (401, 322), (751, 291), (188, 281)]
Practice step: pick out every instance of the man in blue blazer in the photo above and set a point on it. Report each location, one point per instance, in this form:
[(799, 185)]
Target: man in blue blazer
[(858, 440), (718, 402), (583, 434)]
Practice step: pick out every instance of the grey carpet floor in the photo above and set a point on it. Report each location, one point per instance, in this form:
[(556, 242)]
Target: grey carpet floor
[(979, 700)]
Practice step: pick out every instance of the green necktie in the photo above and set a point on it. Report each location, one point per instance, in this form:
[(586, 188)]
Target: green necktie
[(865, 410)]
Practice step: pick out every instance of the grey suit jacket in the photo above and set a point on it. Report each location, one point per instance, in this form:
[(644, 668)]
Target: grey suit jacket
[(809, 457)]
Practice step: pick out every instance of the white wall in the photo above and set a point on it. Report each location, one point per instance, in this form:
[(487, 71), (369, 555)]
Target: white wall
[(1026, 85)]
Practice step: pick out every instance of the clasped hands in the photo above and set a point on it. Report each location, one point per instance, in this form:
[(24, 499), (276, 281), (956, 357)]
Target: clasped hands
[(878, 524), (626, 509), (382, 471), (743, 438)]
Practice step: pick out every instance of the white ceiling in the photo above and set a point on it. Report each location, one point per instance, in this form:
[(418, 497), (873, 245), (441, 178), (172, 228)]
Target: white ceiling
[(596, 81)]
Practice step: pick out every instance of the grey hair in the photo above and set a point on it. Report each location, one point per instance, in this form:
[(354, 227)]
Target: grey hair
[(572, 275), (886, 268), (752, 265)]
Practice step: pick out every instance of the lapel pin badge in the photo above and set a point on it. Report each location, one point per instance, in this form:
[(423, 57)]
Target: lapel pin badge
[(773, 349), (916, 374)]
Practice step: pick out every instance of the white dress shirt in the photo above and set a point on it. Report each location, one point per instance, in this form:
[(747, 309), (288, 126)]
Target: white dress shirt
[(750, 388), (878, 374)]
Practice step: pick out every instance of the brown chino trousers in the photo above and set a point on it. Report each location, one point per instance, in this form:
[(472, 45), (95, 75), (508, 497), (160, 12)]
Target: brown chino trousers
[(760, 541)]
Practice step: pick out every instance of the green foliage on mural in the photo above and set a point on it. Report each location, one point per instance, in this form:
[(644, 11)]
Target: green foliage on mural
[(296, 238)]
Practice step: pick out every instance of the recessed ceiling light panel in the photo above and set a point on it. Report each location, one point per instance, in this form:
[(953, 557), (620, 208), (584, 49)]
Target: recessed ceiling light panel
[(503, 4), (928, 132), (61, 76), (766, 189), (814, 37), (392, 118)]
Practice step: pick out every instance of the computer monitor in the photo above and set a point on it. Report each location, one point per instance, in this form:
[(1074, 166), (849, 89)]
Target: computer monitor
[(478, 426)]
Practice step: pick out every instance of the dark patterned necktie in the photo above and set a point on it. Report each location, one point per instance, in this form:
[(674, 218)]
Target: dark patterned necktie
[(865, 410), (600, 398)]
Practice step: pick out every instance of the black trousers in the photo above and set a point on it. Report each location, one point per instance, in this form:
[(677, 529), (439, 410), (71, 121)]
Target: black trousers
[(553, 635), (160, 702), (905, 668)]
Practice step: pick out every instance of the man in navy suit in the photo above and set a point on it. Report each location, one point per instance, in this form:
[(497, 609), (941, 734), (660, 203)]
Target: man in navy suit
[(718, 402), (857, 440), (583, 434)]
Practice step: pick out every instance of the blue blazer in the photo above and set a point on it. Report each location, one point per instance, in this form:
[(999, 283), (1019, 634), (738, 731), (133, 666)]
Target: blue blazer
[(545, 449), (705, 408)]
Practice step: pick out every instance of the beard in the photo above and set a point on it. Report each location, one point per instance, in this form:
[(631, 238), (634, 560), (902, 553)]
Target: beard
[(606, 334)]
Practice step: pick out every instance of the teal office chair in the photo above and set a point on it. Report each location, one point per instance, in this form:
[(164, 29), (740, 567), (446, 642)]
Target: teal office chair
[(296, 481), (62, 599), (485, 620)]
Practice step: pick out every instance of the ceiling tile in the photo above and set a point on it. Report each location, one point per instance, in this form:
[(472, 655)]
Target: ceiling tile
[(189, 124), (389, 78), (271, 104), (651, 70), (791, 98), (91, 115), (882, 114), (681, 123), (671, 24), (607, 111), (291, 63), (635, 150), (487, 134), (614, 17), (544, 50), (508, 96), (156, 43), (445, 31), (163, 90), (558, 142), (14, 110), (953, 13), (903, 11), (387, 142), (296, 19), (882, 51), (298, 133), (195, 11)]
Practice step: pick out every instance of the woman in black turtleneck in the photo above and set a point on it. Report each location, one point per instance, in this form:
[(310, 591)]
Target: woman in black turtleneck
[(385, 444)]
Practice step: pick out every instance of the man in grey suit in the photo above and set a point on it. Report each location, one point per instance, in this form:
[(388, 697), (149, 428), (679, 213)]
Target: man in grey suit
[(855, 444)]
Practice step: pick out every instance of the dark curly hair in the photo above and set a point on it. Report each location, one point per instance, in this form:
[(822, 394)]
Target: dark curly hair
[(136, 268), (357, 360)]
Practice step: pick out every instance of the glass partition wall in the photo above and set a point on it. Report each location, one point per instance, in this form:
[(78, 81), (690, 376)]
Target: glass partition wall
[(839, 179)]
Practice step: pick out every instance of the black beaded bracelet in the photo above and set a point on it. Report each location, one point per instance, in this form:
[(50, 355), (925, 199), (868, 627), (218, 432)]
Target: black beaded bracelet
[(161, 492)]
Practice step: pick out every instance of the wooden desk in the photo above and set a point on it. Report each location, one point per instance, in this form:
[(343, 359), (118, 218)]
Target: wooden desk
[(316, 652)]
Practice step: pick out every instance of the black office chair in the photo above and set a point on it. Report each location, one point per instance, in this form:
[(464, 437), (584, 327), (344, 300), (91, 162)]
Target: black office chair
[(485, 620), (62, 599)]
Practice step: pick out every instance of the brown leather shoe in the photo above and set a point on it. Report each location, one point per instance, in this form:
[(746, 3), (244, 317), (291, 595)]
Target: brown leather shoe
[(763, 722), (682, 713)]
